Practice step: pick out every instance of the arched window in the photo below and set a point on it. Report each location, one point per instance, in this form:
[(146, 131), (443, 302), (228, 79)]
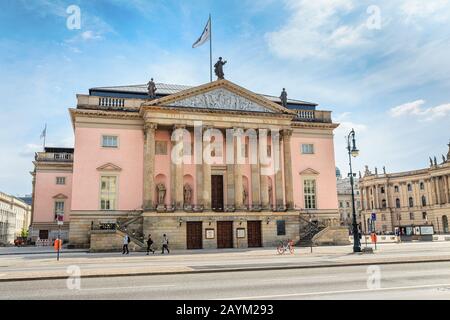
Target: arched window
[(422, 186), (396, 188), (424, 201), (397, 203), (411, 202), (382, 189), (409, 187), (383, 203)]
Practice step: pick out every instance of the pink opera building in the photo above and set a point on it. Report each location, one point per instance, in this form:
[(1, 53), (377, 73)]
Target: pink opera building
[(212, 166)]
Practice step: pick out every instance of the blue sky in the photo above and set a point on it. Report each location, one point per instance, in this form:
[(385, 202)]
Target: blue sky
[(382, 67)]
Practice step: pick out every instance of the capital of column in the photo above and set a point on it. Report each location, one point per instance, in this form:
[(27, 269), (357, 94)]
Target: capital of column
[(150, 126), (286, 133)]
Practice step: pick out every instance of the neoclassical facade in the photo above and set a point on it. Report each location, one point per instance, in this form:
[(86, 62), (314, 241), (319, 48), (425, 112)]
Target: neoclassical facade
[(408, 199), (212, 166), (344, 193), (15, 217)]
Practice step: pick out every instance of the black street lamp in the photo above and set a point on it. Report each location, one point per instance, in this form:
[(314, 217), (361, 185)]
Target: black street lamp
[(353, 152)]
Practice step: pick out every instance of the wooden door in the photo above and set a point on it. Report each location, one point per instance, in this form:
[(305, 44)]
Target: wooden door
[(224, 234), (217, 193), (194, 238), (254, 234)]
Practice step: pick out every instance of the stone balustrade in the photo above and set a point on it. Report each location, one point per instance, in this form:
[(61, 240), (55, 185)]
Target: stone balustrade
[(54, 156)]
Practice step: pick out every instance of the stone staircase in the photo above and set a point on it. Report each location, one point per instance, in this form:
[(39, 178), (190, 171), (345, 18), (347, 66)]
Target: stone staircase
[(307, 231), (134, 227)]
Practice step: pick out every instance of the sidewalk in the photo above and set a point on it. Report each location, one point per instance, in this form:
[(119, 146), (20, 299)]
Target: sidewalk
[(33, 250), (35, 267)]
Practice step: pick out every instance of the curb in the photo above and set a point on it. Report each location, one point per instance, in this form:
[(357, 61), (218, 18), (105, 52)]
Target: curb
[(41, 252), (241, 269)]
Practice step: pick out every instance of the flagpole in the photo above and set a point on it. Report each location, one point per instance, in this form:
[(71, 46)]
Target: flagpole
[(210, 48)]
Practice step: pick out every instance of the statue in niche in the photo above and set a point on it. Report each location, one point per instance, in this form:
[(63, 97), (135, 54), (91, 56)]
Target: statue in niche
[(244, 196), (218, 68), (151, 87), (161, 188), (187, 194)]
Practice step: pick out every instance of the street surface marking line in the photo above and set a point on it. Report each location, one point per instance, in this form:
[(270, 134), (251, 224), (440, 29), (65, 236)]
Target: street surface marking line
[(120, 288), (335, 292)]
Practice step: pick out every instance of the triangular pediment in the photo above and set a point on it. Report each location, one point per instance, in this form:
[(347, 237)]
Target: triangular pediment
[(309, 171), (60, 196), (109, 167), (220, 95)]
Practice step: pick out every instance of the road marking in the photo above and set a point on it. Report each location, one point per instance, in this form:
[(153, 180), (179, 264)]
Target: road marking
[(335, 292), (124, 288)]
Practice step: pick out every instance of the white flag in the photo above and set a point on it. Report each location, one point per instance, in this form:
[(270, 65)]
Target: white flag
[(205, 35), (44, 132)]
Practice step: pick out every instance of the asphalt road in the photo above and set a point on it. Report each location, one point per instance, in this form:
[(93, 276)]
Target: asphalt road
[(405, 281)]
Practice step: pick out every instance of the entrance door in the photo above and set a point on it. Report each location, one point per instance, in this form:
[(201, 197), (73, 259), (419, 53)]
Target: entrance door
[(217, 193), (254, 234), (194, 235), (224, 234)]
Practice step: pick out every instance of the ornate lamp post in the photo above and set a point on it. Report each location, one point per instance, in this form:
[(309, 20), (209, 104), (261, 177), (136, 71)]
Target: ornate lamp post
[(353, 152)]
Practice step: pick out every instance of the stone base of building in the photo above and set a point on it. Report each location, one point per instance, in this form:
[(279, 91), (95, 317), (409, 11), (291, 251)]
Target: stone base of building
[(50, 231), (193, 230), (109, 240)]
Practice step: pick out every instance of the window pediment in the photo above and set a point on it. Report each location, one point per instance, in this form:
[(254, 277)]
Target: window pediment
[(60, 196), (109, 167), (309, 171)]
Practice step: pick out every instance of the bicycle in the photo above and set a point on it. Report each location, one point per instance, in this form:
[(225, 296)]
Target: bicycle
[(286, 246)]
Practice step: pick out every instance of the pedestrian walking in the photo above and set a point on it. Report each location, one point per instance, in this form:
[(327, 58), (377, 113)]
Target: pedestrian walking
[(149, 244), (126, 241), (165, 244)]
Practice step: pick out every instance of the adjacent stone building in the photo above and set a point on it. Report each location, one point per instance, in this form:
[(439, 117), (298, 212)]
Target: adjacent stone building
[(212, 166), (15, 217), (344, 193), (408, 199)]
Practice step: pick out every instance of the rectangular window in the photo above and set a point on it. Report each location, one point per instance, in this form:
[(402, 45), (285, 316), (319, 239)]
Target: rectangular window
[(309, 190), (307, 148), (59, 208), (281, 228), (60, 180), (108, 193), (411, 216), (424, 215), (109, 141)]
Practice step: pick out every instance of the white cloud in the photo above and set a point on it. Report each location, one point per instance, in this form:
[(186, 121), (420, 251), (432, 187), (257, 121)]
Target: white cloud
[(414, 10), (90, 35), (415, 108), (316, 29)]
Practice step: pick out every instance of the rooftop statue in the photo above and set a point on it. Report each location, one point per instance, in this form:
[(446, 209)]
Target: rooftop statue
[(218, 68), (283, 98), (151, 89)]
